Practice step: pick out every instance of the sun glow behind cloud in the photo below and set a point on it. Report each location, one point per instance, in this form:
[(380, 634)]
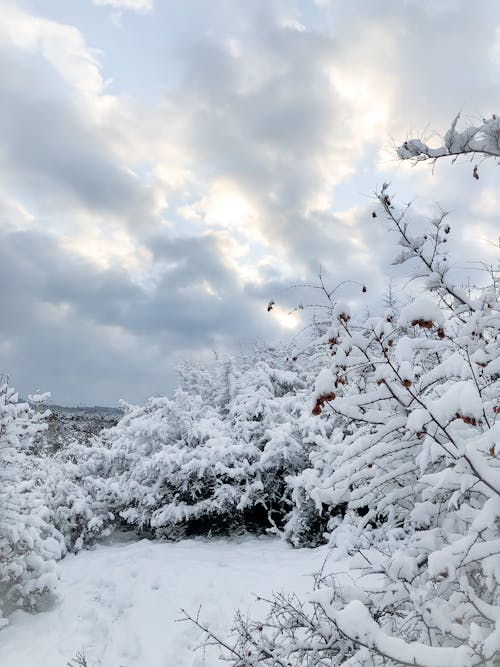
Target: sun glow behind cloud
[(228, 208), (289, 321), (224, 207), (286, 319)]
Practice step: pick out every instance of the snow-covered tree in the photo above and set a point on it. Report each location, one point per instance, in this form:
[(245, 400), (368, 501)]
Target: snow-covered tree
[(29, 543), (410, 479)]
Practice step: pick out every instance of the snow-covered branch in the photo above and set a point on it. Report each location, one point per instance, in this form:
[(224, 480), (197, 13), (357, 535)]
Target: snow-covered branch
[(481, 140)]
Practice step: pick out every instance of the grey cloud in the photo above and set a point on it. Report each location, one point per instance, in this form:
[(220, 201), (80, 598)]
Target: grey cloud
[(61, 314), (52, 153), (258, 131)]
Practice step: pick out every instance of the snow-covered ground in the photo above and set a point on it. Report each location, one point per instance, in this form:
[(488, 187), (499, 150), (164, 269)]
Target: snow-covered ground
[(118, 603)]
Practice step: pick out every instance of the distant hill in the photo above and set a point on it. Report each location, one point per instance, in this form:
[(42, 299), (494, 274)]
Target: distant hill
[(70, 423), (84, 410)]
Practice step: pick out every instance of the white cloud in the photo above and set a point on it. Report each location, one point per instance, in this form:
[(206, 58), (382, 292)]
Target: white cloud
[(63, 46), (134, 5)]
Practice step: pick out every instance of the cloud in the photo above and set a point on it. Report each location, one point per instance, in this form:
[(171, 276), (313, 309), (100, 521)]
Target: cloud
[(63, 46), (62, 315), (63, 136), (289, 116), (134, 5), (139, 228)]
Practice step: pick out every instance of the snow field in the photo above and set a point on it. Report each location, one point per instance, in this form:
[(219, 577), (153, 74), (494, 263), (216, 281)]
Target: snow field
[(118, 603)]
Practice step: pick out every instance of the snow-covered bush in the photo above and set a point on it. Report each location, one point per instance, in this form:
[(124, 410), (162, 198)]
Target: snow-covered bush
[(29, 543), (63, 460), (67, 484), (410, 479), (213, 458)]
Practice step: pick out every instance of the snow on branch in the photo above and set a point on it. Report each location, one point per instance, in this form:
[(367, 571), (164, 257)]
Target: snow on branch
[(482, 140), (355, 622)]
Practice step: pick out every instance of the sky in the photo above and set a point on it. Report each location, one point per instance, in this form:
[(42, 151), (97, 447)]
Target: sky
[(167, 168)]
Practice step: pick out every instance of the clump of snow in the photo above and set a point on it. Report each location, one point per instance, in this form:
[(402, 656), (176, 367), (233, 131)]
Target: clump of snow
[(461, 398), (325, 382), (417, 419), (422, 310)]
